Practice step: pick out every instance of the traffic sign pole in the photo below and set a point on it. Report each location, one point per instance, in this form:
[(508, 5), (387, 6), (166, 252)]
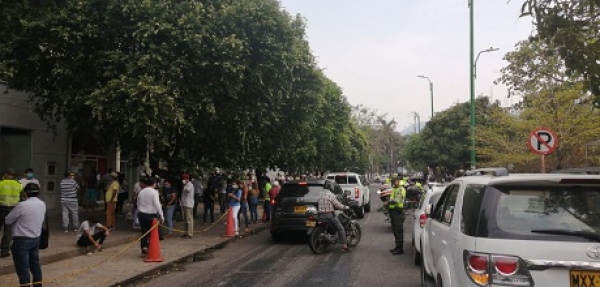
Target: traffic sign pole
[(543, 163)]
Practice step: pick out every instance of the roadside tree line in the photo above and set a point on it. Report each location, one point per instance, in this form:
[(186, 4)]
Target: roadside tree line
[(230, 83), (550, 95)]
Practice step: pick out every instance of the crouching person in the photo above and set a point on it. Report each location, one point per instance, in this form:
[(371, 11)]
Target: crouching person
[(87, 236)]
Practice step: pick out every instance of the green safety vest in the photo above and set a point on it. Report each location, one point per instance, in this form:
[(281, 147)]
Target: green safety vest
[(420, 186), (267, 188), (10, 192), (397, 198)]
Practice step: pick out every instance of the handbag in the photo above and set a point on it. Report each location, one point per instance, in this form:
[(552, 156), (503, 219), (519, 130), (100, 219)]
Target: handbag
[(45, 236)]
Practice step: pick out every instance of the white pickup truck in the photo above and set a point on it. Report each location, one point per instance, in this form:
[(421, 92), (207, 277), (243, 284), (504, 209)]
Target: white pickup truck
[(359, 190)]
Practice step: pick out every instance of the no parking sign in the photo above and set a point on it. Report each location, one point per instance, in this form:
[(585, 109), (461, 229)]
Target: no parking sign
[(542, 141)]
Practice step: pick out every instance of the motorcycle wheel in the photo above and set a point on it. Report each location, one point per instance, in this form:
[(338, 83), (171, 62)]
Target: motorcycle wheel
[(317, 244), (354, 233)]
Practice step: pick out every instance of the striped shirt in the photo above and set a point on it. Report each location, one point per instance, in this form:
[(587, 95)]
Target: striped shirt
[(328, 202), (68, 190)]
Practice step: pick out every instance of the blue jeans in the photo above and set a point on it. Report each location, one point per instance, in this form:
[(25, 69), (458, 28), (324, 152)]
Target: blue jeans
[(26, 258), (169, 217), (267, 210), (244, 212), (253, 204)]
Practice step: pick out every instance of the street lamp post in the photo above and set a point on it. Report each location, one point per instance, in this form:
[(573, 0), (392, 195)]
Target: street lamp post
[(430, 91), (472, 67), (472, 80), (473, 76)]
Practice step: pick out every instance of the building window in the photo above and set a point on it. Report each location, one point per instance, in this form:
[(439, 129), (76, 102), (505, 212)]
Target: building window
[(15, 148)]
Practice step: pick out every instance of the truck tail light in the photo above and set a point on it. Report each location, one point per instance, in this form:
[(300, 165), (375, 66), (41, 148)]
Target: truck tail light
[(356, 192), (485, 269)]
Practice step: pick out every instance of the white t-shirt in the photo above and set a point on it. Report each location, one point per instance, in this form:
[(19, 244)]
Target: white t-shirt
[(148, 202), (25, 181), (86, 226), (187, 196)]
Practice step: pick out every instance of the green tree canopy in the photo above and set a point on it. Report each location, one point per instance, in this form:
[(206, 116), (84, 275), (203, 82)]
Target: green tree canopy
[(573, 28), (231, 83)]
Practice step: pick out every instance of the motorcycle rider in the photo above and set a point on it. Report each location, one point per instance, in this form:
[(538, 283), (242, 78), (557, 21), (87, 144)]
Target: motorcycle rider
[(327, 205), (396, 207)]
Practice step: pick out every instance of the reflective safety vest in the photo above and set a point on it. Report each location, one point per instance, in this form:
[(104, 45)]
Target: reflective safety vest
[(419, 185), (267, 188), (10, 192), (397, 198), (387, 180)]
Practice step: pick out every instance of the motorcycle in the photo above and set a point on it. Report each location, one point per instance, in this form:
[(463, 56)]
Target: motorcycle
[(384, 193), (323, 235)]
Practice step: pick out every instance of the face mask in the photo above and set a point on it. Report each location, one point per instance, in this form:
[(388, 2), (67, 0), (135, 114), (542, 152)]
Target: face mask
[(30, 175), (235, 186), (184, 182)]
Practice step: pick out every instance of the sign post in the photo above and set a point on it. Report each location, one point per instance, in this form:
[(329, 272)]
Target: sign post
[(542, 141)]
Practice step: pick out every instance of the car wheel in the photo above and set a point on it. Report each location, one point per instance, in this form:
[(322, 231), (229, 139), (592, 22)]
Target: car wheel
[(276, 237), (360, 212), (367, 206)]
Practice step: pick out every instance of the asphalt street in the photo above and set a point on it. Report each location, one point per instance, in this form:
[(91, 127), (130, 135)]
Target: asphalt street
[(256, 261)]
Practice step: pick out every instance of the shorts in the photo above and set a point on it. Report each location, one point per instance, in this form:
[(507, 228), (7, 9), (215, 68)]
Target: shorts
[(91, 195)]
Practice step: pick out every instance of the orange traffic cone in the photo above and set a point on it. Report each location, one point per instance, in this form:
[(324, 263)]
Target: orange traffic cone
[(230, 230), (154, 246)]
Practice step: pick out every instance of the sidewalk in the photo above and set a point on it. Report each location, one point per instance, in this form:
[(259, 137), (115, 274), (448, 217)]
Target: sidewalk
[(64, 264)]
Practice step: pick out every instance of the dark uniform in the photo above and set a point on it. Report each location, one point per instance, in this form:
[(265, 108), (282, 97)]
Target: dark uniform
[(396, 207)]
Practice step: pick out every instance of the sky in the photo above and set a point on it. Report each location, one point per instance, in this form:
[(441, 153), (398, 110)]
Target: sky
[(374, 50)]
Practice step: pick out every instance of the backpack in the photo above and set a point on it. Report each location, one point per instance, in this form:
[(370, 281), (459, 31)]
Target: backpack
[(45, 236)]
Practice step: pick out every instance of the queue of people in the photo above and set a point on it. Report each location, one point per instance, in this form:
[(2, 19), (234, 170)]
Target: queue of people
[(152, 198)]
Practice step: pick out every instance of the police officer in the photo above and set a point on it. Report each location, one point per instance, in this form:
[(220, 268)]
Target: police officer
[(10, 195), (396, 207)]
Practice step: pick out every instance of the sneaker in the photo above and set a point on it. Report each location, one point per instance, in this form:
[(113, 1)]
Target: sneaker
[(4, 255), (66, 230), (74, 229), (89, 254)]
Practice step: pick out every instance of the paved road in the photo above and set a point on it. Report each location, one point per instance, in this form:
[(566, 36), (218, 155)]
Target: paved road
[(255, 261)]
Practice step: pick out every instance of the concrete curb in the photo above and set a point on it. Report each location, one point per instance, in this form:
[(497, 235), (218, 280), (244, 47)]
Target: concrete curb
[(10, 269), (167, 264)]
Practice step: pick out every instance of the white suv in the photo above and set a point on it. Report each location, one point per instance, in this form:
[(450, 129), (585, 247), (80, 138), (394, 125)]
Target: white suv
[(359, 191), (515, 230)]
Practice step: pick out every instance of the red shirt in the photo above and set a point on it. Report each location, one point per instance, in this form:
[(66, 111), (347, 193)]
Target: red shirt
[(274, 191)]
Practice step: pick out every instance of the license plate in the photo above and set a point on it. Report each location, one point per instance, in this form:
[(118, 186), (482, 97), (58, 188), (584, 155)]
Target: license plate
[(584, 278), (300, 209), (311, 223)]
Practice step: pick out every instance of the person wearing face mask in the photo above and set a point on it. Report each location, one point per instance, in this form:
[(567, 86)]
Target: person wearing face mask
[(29, 178), (235, 196), (187, 203)]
